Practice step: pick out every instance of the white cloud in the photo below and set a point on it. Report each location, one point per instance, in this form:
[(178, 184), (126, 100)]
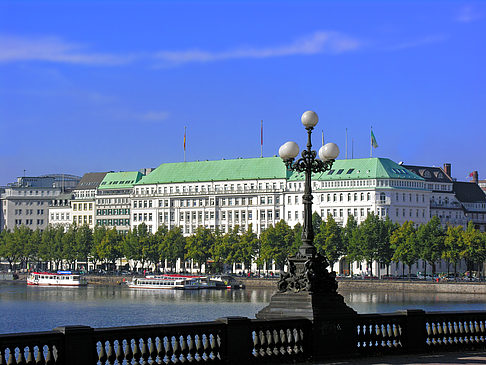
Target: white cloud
[(419, 42), (153, 116), (319, 42), (468, 15), (52, 49)]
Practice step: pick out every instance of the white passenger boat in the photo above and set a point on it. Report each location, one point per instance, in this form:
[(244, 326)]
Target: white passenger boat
[(61, 278), (166, 282)]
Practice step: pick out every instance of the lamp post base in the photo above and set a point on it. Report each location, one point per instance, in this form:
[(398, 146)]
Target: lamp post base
[(308, 290)]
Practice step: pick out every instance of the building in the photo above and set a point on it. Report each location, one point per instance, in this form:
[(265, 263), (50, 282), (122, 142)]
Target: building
[(261, 191), (473, 200), (113, 199), (83, 204), (444, 203), (60, 211), (26, 202)]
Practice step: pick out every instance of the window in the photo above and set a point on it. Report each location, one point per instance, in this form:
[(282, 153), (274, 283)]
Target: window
[(339, 172)]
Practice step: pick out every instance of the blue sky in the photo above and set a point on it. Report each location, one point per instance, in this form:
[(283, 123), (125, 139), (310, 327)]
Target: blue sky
[(100, 86)]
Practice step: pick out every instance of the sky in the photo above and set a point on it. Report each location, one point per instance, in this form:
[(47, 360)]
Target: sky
[(109, 86)]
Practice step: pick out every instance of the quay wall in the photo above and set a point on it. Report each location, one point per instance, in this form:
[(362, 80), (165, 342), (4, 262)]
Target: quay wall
[(381, 285)]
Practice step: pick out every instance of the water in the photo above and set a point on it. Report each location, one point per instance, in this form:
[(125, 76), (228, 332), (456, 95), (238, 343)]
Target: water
[(25, 309)]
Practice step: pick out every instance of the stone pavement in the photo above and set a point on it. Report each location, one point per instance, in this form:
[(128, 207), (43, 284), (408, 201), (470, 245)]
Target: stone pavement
[(449, 358)]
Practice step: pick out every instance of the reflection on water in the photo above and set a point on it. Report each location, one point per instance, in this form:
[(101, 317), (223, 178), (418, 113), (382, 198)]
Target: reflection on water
[(38, 309)]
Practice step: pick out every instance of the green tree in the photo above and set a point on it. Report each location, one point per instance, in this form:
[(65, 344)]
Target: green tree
[(430, 238), (316, 223), (32, 246), (172, 247), (159, 237), (110, 247), (404, 243), (69, 245), (297, 239), (99, 233), (350, 242), (83, 243), (385, 251), (276, 243), (368, 237), (199, 246), (247, 247), (454, 246), (329, 241), (224, 251), (474, 251)]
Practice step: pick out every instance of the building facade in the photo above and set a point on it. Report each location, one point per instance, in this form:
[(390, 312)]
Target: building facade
[(84, 203), (26, 202), (113, 199)]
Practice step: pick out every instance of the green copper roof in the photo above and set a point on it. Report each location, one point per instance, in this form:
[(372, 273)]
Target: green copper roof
[(362, 168), (120, 180), (218, 170)]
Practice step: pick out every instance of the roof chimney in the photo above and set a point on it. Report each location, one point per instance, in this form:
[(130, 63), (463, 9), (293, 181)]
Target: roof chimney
[(447, 169), (475, 177)]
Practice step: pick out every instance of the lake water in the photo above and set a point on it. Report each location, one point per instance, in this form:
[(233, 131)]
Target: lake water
[(25, 309)]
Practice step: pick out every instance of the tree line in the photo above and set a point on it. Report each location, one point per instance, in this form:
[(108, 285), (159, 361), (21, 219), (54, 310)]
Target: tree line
[(374, 240)]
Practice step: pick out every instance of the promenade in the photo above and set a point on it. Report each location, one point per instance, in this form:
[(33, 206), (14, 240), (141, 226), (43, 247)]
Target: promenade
[(450, 358)]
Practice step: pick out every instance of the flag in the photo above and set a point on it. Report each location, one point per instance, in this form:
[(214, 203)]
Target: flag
[(471, 174), (373, 140), (184, 138), (261, 134)]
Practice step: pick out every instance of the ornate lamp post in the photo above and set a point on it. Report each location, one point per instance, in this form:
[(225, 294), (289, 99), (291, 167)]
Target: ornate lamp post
[(307, 289), (308, 164)]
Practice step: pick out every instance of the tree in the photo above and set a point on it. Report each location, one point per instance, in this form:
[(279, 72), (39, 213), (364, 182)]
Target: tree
[(329, 241), (99, 233), (247, 247), (70, 246), (454, 245), (110, 247), (172, 247), (158, 238), (350, 242), (474, 251), (404, 243), (316, 223), (430, 238), (384, 250), (297, 239), (199, 246), (276, 243), (84, 243), (368, 238), (224, 251)]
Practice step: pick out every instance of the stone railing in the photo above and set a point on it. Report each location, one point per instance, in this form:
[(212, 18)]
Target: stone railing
[(240, 340)]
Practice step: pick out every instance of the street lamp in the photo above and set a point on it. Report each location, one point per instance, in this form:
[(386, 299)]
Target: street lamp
[(308, 164)]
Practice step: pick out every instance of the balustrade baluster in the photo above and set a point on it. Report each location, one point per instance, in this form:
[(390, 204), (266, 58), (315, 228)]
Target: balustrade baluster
[(144, 352), (11, 358), (184, 349), (136, 352), (111, 352), (161, 349), (152, 350), (191, 349), (177, 351), (269, 338), (128, 351), (263, 342), (207, 348), (2, 361), (102, 353), (283, 342), (30, 355), (39, 360), (296, 341), (120, 355), (199, 347), (49, 355)]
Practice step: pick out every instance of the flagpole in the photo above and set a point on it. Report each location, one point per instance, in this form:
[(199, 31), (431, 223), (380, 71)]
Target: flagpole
[(323, 137), (371, 142), (346, 143), (185, 144), (261, 138)]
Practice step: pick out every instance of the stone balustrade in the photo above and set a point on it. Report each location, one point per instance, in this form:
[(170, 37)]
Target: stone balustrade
[(240, 340)]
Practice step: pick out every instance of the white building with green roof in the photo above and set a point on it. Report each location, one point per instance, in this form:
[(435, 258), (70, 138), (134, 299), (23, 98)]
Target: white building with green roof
[(260, 191), (113, 199)]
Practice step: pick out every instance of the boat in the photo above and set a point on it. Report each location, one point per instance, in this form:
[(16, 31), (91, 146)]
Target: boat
[(166, 282), (226, 282), (179, 281), (60, 278)]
